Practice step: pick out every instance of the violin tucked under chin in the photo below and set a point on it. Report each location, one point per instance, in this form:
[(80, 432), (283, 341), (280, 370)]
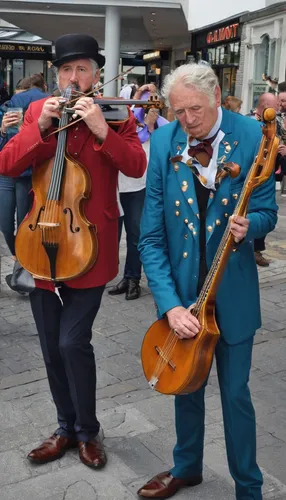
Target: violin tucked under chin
[(116, 111)]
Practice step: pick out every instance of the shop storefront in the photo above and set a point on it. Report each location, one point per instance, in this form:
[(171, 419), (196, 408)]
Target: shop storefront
[(263, 54), (156, 64), (18, 60), (219, 45)]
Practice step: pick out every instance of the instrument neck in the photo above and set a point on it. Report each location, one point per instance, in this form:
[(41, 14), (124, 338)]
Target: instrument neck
[(55, 183), (226, 246)]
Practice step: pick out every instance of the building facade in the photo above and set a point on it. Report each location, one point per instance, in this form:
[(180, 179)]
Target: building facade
[(262, 54), (130, 26), (21, 54), (219, 45)]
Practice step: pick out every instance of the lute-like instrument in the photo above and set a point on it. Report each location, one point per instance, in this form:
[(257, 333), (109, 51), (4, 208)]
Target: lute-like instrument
[(180, 366)]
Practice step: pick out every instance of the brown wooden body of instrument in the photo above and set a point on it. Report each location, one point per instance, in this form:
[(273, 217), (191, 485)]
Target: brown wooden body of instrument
[(191, 359), (74, 236), (174, 366)]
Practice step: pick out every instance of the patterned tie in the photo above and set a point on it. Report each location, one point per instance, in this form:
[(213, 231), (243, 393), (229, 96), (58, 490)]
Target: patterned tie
[(203, 151)]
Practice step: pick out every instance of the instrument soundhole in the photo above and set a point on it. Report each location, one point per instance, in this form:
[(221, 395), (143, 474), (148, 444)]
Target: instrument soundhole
[(73, 230)]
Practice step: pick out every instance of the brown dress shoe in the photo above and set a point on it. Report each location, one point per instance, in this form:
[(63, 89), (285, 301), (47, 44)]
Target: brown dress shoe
[(92, 453), (260, 260), (164, 485), (51, 449)]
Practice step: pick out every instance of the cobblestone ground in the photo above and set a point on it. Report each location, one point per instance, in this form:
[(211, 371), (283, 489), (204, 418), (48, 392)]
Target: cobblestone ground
[(138, 423)]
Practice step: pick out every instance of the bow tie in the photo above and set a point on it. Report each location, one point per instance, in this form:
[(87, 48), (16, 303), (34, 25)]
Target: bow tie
[(203, 151)]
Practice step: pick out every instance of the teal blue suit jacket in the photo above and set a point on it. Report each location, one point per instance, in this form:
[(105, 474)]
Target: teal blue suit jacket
[(169, 245)]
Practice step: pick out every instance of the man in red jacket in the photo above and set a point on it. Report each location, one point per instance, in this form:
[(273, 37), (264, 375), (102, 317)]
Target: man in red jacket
[(64, 323)]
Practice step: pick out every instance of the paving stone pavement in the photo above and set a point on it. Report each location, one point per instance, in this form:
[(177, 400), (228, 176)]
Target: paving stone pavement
[(138, 423)]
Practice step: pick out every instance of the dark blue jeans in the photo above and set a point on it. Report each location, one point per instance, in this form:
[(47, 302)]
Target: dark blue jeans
[(132, 204), (14, 197)]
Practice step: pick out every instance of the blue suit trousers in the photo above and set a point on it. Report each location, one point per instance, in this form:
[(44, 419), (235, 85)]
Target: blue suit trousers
[(233, 368)]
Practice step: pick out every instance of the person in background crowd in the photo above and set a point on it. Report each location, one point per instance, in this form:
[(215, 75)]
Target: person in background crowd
[(232, 103), (14, 192), (183, 223), (4, 96), (282, 87), (281, 158), (35, 92), (132, 195), (170, 115), (266, 100), (22, 85), (64, 319), (128, 90)]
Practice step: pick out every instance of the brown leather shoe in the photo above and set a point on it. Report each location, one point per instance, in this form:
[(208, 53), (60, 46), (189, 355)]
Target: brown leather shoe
[(92, 453), (51, 449), (164, 485), (260, 260)]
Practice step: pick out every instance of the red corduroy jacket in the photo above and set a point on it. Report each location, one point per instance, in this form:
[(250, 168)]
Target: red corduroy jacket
[(121, 150)]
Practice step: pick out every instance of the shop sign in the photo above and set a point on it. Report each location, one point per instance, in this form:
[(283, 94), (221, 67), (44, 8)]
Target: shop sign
[(221, 34), (152, 55), (12, 47)]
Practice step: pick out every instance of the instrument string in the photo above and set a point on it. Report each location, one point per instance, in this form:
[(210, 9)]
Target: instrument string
[(161, 361), (166, 352), (220, 250), (51, 215)]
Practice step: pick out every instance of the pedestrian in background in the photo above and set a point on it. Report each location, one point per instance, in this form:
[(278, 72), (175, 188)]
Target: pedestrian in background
[(132, 194), (232, 103), (266, 100), (14, 192)]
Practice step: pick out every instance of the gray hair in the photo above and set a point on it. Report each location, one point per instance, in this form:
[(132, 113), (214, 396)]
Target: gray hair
[(93, 63), (202, 77)]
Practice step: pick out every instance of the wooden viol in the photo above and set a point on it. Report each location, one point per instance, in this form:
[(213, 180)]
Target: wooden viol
[(55, 241), (180, 366)]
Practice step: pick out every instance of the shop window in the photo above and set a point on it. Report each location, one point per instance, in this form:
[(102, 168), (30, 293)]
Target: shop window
[(18, 71), (272, 59), (261, 58), (236, 53), (221, 54), (211, 56)]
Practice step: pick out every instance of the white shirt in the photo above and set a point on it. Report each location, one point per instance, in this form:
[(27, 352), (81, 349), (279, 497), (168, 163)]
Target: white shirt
[(129, 184), (210, 171)]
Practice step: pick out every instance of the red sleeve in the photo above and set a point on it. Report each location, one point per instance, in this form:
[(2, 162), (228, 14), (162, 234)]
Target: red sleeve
[(124, 149), (26, 148)]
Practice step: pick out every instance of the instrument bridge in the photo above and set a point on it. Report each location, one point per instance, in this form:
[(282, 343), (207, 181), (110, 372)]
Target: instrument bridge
[(49, 224), (165, 359)]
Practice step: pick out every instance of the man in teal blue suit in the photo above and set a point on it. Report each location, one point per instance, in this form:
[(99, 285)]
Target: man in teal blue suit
[(186, 211)]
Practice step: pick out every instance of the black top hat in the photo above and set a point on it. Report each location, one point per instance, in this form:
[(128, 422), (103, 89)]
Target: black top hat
[(77, 46)]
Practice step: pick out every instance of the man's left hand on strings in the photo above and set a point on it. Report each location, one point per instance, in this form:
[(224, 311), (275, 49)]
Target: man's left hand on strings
[(238, 227), (92, 116)]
